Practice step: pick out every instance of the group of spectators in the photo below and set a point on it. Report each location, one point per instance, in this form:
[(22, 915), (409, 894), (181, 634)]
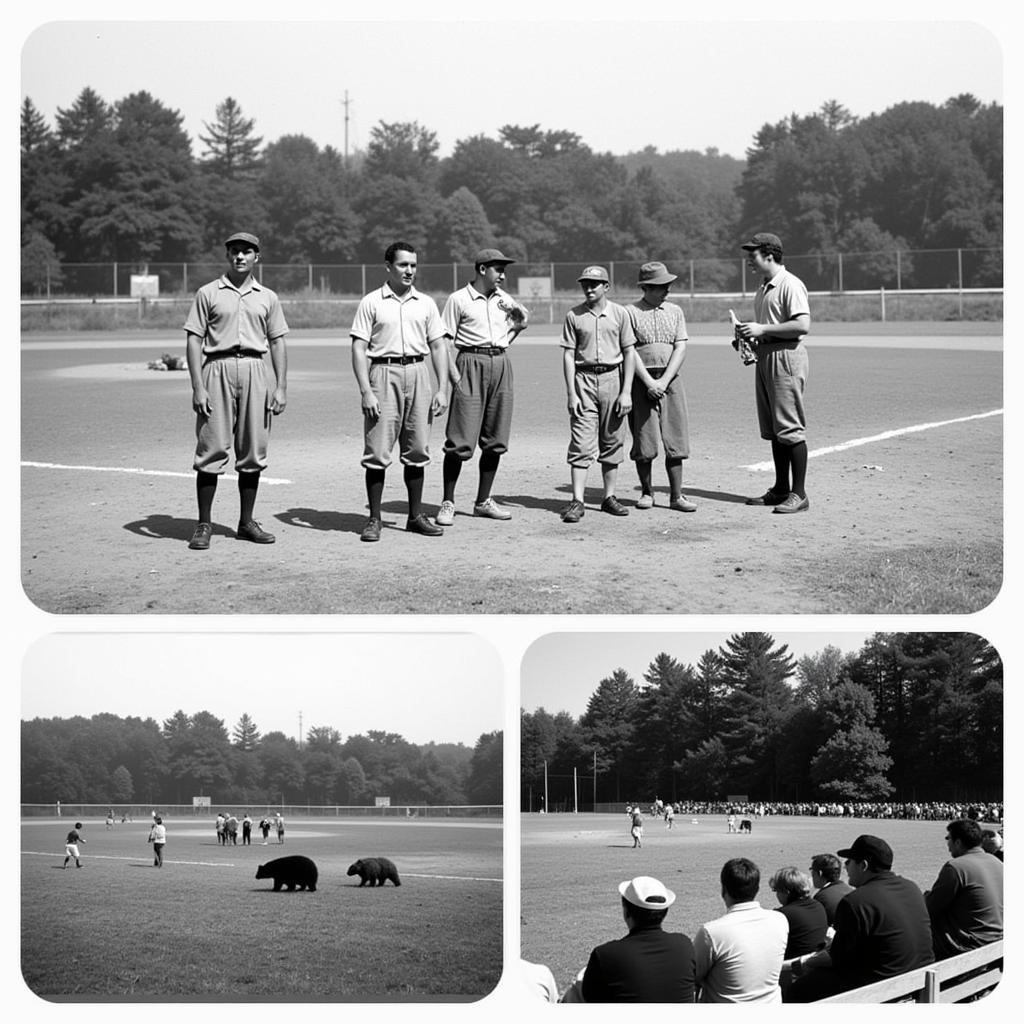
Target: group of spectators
[(826, 936), (915, 811)]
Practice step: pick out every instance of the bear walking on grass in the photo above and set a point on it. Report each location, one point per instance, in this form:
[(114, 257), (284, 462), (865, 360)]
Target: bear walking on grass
[(375, 871), (294, 872)]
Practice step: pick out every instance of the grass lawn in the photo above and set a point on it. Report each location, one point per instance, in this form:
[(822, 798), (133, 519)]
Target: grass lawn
[(572, 866), (203, 927)]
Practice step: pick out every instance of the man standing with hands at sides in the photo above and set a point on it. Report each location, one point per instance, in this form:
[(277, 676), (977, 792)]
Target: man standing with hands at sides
[(395, 328), (782, 317), (659, 416), (482, 320), (233, 323), (598, 369)]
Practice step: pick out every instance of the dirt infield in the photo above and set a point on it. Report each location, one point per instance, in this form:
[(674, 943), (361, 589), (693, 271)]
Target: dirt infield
[(107, 494)]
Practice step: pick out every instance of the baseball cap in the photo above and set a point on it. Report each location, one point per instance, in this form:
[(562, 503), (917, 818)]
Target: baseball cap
[(762, 238), (645, 891), (593, 274), (878, 851), (655, 273), (490, 256), (243, 236)]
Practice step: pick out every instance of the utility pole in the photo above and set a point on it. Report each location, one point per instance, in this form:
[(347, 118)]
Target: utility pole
[(345, 104), (300, 730)]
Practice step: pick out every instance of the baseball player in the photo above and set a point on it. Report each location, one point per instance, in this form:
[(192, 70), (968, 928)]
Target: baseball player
[(596, 337), (71, 846), (782, 317), (481, 320), (659, 416), (233, 323), (395, 328)]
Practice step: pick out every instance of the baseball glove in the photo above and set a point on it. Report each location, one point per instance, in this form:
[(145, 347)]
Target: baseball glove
[(745, 347)]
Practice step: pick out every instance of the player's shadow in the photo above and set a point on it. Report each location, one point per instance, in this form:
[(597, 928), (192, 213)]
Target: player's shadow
[(661, 496), (328, 521), (163, 527), (553, 505)]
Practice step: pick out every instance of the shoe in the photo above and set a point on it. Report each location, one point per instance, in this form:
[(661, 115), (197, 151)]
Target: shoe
[(645, 501), (445, 514), (254, 532), (419, 523), (371, 531), (792, 503), (490, 509), (613, 506), (769, 497), (682, 504), (573, 512), (201, 538)]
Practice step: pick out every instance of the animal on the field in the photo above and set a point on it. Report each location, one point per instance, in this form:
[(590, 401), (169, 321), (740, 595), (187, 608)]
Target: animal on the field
[(293, 872), (375, 871), (746, 825)]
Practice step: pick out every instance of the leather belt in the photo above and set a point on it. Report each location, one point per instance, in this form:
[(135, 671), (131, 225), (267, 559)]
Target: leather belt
[(598, 368), (397, 360), (235, 353), (483, 350)]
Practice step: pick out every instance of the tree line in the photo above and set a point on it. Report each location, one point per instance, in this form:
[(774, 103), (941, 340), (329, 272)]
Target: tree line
[(119, 182), (112, 760), (910, 716)]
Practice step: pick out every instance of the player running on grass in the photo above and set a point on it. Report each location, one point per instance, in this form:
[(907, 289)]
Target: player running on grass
[(71, 846)]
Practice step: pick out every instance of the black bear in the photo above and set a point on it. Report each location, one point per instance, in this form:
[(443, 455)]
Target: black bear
[(375, 871), (746, 825), (294, 872)]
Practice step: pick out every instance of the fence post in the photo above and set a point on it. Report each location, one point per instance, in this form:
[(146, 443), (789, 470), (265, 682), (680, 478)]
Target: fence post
[(840, 255), (362, 270), (960, 280), (455, 276), (882, 295), (48, 280), (743, 277), (551, 301), (691, 280), (115, 280), (309, 278), (899, 272), (184, 278)]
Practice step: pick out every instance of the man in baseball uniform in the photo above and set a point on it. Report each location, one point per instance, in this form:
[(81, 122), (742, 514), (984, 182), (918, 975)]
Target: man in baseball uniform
[(394, 330), (482, 320), (782, 317), (659, 417), (234, 322), (596, 338), (71, 845)]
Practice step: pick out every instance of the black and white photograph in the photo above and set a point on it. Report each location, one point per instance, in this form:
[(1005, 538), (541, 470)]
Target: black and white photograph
[(261, 819), (748, 277), (762, 818)]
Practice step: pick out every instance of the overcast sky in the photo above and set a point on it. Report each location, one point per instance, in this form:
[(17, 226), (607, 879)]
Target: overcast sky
[(561, 670), (620, 76), (445, 688)]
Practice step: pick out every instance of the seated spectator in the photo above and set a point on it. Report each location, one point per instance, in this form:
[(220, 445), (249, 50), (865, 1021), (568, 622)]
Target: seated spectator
[(648, 965), (966, 902), (826, 874), (881, 929), (539, 980), (739, 955), (807, 918), (992, 842)]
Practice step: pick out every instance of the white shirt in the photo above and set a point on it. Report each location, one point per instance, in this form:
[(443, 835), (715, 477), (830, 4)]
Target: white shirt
[(739, 955)]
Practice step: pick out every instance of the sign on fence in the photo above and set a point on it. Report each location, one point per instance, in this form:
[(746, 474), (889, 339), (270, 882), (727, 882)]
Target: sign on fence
[(382, 801), (200, 801), (145, 286), (534, 287)]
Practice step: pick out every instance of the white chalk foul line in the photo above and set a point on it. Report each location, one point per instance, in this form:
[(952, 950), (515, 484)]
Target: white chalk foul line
[(139, 472), (761, 467), (451, 878), (106, 856)]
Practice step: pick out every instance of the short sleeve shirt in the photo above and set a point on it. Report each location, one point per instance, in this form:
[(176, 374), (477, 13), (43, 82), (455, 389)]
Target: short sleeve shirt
[(780, 299), (598, 337), (397, 326), (657, 329), (473, 319), (229, 318)]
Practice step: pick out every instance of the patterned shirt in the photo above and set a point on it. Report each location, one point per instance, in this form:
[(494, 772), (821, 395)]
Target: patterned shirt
[(658, 330)]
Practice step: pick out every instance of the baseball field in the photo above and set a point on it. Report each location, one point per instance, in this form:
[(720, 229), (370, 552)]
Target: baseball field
[(572, 865), (203, 928), (905, 481)]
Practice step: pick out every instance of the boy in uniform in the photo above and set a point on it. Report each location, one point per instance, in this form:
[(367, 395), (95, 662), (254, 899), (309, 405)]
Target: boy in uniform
[(233, 323), (482, 320), (598, 370), (395, 328), (71, 846)]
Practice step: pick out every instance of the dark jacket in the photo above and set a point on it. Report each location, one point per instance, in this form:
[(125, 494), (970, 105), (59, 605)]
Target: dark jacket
[(647, 966), (807, 924), (830, 895)]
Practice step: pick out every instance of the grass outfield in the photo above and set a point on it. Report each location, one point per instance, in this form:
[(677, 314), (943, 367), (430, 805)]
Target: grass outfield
[(203, 927), (572, 865)]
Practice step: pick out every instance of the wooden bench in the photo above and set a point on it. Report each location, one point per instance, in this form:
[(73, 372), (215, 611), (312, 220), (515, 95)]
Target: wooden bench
[(955, 980)]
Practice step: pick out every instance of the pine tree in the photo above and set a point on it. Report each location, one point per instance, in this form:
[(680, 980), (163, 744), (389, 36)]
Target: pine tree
[(232, 151)]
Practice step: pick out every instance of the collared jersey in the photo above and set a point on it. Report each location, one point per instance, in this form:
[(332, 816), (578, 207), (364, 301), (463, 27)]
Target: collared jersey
[(473, 319), (229, 318), (657, 330), (598, 338), (397, 326), (780, 299)]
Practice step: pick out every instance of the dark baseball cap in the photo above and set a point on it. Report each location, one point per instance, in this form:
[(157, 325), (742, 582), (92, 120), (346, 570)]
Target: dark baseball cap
[(490, 256), (243, 236), (871, 848), (762, 238)]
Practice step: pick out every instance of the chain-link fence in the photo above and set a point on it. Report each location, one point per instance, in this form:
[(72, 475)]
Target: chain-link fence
[(139, 812)]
